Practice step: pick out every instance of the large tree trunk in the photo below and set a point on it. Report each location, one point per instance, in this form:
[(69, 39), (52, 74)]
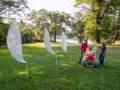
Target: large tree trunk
[(55, 34), (97, 36), (98, 27), (98, 21)]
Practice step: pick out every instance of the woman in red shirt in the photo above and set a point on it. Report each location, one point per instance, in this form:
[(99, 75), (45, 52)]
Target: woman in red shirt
[(83, 48)]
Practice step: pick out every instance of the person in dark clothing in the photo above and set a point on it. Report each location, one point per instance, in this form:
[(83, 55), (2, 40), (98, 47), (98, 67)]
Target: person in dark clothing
[(102, 53)]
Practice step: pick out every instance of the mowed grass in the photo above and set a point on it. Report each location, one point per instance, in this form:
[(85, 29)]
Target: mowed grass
[(44, 74)]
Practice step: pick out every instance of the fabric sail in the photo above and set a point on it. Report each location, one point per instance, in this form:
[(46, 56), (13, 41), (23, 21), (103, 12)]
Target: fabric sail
[(47, 41), (64, 42), (14, 43)]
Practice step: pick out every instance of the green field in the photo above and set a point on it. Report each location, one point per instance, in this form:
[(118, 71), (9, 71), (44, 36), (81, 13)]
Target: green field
[(44, 74)]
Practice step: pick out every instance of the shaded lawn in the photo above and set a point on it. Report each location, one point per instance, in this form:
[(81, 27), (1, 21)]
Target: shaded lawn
[(67, 75)]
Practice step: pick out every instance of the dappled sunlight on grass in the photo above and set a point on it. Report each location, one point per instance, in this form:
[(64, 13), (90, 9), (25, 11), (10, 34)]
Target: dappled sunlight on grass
[(55, 44), (63, 79), (21, 73), (4, 52), (41, 45), (61, 55), (39, 72), (24, 73), (37, 45), (66, 65)]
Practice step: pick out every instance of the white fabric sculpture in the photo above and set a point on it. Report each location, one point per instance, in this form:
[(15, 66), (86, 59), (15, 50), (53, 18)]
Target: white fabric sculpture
[(14, 43), (64, 42), (47, 41)]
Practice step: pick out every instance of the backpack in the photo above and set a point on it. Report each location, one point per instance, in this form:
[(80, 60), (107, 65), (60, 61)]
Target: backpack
[(90, 57)]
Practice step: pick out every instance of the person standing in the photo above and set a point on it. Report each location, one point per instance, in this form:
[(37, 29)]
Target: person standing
[(102, 53), (83, 48)]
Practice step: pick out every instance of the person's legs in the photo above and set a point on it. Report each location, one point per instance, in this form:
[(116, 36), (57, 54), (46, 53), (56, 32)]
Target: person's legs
[(100, 58), (81, 57), (84, 62), (95, 63)]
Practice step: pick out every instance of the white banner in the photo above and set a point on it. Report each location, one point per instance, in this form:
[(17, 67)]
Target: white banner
[(14, 43), (64, 42), (47, 41)]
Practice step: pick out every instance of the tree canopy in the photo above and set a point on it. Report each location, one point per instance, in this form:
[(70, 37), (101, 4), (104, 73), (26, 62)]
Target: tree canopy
[(100, 9), (12, 6), (55, 21), (100, 20)]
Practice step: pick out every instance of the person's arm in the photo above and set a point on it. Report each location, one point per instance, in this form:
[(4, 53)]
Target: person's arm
[(94, 54)]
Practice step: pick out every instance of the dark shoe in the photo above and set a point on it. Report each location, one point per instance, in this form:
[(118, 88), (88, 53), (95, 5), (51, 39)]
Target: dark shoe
[(79, 62)]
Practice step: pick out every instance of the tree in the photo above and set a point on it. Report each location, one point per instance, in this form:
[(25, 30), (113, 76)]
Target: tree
[(90, 25), (3, 31), (77, 27), (53, 20), (12, 6), (37, 19), (116, 26), (9, 7), (100, 8), (27, 32), (57, 20)]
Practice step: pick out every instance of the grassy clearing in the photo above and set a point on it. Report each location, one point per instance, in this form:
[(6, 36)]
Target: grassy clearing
[(67, 75)]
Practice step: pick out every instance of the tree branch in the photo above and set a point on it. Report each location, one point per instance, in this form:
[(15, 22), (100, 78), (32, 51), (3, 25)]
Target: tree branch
[(2, 12), (89, 9), (105, 10)]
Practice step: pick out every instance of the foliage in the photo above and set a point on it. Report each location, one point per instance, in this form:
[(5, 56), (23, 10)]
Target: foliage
[(27, 32), (117, 26), (7, 8), (78, 29), (100, 9), (3, 31), (34, 30), (50, 19), (12, 6), (90, 24)]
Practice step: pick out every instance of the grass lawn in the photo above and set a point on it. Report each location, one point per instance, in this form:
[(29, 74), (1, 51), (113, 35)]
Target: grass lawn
[(44, 74)]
